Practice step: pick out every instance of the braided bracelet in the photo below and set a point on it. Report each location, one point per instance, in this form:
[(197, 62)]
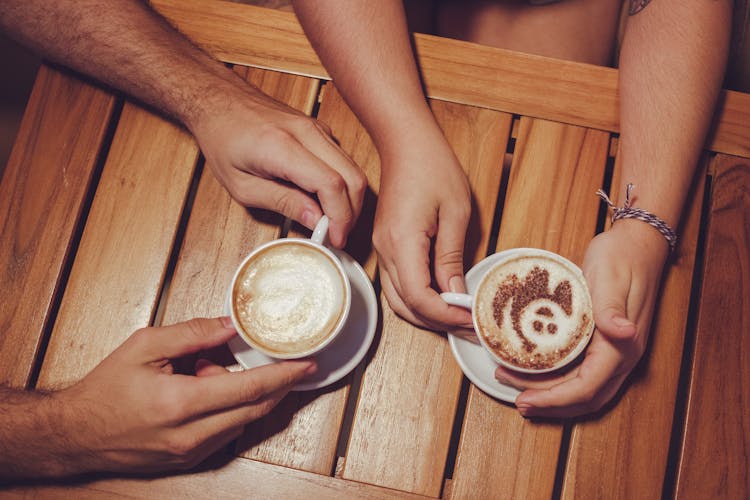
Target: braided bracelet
[(628, 212)]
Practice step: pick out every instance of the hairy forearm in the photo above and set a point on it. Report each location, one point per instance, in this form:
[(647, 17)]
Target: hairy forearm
[(124, 44), (34, 439), (671, 67), (365, 47)]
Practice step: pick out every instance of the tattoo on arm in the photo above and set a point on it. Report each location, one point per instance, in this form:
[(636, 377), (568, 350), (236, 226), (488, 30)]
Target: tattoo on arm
[(637, 5)]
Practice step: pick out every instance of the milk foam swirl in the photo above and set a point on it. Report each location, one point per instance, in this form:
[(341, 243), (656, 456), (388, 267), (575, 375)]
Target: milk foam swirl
[(289, 298), (533, 311)]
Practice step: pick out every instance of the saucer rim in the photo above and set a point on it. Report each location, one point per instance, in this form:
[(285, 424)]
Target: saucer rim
[(354, 271), (498, 390), (503, 392)]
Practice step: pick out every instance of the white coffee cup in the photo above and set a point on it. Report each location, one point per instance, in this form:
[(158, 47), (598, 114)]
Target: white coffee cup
[(290, 297), (531, 309)]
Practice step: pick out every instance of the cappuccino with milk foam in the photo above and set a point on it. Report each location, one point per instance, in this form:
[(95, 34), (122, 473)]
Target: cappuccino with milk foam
[(534, 312), (289, 299)]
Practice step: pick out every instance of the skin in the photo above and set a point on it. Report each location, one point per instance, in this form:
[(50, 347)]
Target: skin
[(265, 153), (424, 196), (671, 64), (680, 50), (108, 422)]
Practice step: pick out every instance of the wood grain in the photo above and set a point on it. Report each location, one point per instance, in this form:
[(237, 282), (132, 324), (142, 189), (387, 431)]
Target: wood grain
[(125, 247), (355, 141), (623, 452), (407, 403), (304, 418), (409, 394), (219, 234), (317, 416), (455, 71), (714, 457), (42, 195), (549, 204), (237, 479)]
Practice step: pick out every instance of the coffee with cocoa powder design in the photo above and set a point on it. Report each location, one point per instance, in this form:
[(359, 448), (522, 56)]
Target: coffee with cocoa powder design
[(533, 311)]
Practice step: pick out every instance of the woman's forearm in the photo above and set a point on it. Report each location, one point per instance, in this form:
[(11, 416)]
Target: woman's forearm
[(365, 46), (671, 68)]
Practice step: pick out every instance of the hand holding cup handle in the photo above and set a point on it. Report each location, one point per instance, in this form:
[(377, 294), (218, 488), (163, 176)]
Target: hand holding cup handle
[(467, 302)]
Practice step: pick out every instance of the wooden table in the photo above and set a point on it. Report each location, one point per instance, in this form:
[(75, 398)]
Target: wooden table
[(110, 222)]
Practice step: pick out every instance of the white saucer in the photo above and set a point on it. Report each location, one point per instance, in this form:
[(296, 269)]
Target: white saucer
[(474, 360), (347, 350)]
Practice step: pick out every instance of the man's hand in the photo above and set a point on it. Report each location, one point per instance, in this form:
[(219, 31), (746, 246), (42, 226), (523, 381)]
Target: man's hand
[(623, 268), (133, 413), (269, 155), (266, 154), (424, 199)]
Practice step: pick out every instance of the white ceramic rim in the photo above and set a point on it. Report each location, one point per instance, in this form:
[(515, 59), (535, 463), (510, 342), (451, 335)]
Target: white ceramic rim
[(515, 253), (342, 319), (336, 367)]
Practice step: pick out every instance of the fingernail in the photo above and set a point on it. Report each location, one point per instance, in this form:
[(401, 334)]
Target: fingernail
[(522, 405), (456, 284), (309, 219), (621, 321), (311, 368), (343, 242), (522, 401), (226, 322)]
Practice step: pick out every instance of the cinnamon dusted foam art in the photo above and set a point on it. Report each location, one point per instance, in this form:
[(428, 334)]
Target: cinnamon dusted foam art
[(534, 311)]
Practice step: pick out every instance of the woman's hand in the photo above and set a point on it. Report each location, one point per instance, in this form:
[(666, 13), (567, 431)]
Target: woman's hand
[(623, 268), (420, 227)]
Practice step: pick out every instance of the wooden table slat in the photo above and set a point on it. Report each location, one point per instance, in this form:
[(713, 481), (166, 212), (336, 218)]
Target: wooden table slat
[(607, 453), (301, 418), (453, 70), (549, 204), (312, 421), (239, 478), (42, 196), (355, 141), (125, 247), (408, 399), (403, 416), (714, 457)]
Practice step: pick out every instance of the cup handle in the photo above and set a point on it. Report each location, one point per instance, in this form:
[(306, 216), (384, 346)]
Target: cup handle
[(321, 231), (458, 299)]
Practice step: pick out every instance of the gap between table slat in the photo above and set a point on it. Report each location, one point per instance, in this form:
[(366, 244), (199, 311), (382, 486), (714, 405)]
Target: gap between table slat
[(43, 200), (409, 394), (549, 204), (116, 278), (624, 449), (713, 462)]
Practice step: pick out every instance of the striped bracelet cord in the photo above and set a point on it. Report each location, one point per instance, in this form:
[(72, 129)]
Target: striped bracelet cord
[(628, 212)]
